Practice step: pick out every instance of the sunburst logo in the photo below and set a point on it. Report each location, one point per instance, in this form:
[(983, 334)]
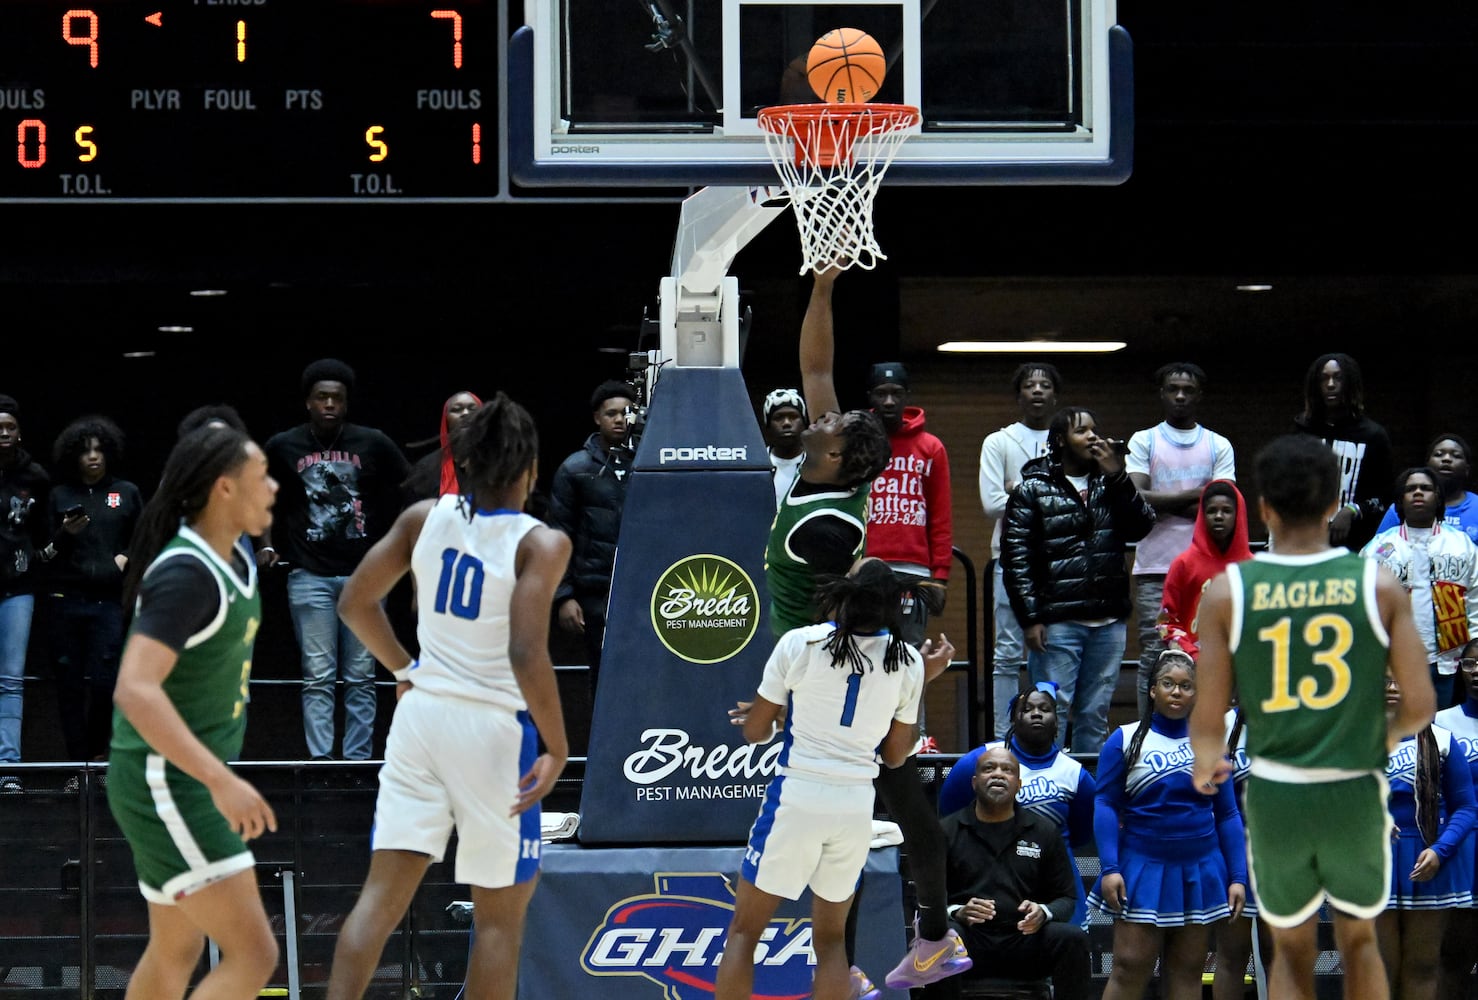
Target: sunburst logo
[(705, 608)]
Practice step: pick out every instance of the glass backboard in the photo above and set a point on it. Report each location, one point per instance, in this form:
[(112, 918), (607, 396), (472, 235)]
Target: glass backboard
[(663, 92)]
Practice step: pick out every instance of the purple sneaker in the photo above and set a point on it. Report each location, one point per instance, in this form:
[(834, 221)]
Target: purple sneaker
[(930, 961), (862, 987)]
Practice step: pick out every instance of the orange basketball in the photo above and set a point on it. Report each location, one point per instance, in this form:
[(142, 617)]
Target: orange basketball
[(846, 66)]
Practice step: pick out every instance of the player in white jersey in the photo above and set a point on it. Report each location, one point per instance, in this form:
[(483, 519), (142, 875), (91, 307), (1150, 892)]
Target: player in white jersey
[(846, 691), (471, 711)]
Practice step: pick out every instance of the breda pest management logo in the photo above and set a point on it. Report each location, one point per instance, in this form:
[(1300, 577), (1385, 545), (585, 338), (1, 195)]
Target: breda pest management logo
[(705, 608)]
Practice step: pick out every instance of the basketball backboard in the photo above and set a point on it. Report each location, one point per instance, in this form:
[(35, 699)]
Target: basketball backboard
[(665, 92)]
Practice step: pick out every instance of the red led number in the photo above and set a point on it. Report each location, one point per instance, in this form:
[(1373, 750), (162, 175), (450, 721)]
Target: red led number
[(476, 143), (32, 130), (456, 19), (89, 40)]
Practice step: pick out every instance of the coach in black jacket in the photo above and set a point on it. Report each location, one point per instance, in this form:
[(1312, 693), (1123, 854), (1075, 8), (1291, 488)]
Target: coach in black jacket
[(1011, 891), (1063, 543)]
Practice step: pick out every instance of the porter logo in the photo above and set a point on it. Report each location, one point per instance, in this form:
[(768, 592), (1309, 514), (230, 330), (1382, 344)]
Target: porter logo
[(705, 608)]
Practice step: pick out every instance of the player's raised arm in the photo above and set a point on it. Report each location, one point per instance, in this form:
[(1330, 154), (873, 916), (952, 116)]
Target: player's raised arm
[(818, 347)]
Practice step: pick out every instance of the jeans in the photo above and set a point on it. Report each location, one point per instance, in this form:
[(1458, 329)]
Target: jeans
[(86, 637), (1009, 656), (15, 635), (1149, 599), (1084, 660), (330, 651)]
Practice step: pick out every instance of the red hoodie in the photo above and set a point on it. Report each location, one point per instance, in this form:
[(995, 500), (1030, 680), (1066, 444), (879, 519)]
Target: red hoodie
[(909, 517), (1194, 568)]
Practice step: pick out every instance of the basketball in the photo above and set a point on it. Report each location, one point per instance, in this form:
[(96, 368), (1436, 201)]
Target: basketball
[(846, 66)]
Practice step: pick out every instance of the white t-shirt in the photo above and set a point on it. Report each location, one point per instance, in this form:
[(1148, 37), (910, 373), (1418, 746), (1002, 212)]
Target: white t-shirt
[(786, 471)]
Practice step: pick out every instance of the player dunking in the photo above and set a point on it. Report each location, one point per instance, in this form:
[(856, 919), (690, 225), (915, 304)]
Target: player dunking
[(1305, 634), (820, 528), (463, 746), (181, 714)]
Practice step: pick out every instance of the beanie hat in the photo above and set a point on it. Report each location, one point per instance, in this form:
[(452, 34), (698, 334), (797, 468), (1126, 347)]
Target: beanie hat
[(782, 397)]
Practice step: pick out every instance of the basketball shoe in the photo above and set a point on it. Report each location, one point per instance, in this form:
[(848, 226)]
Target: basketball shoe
[(862, 987), (929, 961)]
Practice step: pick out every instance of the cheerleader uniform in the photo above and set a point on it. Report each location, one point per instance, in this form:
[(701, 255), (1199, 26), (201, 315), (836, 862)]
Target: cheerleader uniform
[(1178, 850), (1462, 722), (1053, 785), (1452, 886)]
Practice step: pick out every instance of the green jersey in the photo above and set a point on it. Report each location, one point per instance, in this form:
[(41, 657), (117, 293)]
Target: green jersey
[(208, 685), (791, 579), (1309, 651)]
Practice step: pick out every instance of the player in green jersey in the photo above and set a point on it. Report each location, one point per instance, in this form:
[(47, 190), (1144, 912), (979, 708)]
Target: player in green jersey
[(1305, 635), (181, 715)]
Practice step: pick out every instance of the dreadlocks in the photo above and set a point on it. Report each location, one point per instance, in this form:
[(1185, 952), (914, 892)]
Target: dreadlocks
[(496, 443), (868, 599)]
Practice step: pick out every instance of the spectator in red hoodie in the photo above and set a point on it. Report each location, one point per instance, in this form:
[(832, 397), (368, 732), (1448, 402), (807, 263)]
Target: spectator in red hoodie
[(1219, 538), (909, 519)]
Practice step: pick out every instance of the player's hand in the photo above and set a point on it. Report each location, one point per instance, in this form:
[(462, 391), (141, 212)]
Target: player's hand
[(1111, 889), (1034, 919), (246, 812), (571, 616), (1209, 781), (977, 911), (937, 656), (402, 688), (1425, 869), (739, 715), (1236, 898), (538, 782)]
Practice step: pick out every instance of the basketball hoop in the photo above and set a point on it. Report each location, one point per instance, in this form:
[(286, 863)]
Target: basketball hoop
[(831, 159)]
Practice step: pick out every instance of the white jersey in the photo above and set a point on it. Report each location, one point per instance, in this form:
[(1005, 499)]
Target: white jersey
[(464, 581), (836, 719)]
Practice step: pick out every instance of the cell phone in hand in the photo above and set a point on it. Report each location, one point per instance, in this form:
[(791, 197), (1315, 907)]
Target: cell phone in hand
[(76, 510)]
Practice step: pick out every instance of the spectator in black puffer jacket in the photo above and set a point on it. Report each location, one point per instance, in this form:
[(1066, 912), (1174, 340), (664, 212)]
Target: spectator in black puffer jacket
[(1063, 546), (586, 497)]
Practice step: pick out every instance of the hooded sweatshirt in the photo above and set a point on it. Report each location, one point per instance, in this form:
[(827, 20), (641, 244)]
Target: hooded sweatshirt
[(909, 517), (1194, 568)]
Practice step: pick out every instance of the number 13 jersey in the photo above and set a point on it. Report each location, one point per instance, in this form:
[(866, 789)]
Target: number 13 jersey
[(1310, 655)]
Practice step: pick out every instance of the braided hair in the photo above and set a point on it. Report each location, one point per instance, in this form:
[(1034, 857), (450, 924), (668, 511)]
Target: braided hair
[(866, 450), (1169, 658), (1428, 767), (868, 599), (1019, 704), (190, 473), (495, 444)]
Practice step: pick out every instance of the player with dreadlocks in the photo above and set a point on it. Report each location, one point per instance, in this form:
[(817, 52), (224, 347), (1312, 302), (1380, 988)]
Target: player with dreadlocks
[(1173, 860), (821, 529), (463, 750), (1431, 802), (843, 687)]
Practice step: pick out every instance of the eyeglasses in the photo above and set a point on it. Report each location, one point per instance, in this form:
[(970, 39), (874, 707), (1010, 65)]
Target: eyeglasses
[(1166, 684), (1468, 662)]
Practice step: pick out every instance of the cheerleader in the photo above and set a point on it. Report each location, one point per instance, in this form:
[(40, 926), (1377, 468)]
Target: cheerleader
[(1173, 860), (1431, 860), (1053, 784), (1460, 941)]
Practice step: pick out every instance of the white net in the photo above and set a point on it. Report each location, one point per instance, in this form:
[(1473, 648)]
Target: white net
[(831, 159)]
